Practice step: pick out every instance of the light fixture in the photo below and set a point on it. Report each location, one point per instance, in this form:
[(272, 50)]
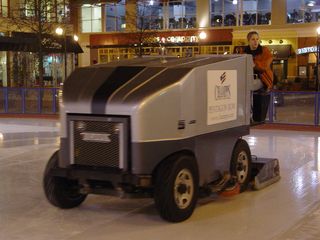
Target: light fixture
[(234, 2), (76, 38), (59, 31), (270, 41), (318, 30), (280, 41), (311, 3), (202, 35)]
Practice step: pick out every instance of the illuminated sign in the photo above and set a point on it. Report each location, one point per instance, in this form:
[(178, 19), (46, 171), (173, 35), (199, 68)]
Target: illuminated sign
[(312, 49), (177, 39)]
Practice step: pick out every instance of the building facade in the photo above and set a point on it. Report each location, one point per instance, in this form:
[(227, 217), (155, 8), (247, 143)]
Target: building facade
[(115, 30), (22, 36)]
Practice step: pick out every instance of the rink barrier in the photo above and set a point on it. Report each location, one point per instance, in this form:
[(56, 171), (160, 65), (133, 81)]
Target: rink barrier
[(287, 107), (294, 107), (29, 100)]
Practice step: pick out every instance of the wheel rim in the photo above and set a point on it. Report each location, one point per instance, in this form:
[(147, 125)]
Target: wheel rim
[(183, 188), (242, 167)]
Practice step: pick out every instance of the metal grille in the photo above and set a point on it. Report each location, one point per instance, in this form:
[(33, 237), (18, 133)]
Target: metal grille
[(97, 143)]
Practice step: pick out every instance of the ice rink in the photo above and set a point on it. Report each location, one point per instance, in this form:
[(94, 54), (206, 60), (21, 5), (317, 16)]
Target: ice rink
[(289, 209)]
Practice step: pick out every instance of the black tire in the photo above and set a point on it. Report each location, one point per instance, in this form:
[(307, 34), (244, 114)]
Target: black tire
[(61, 192), (241, 164), (176, 187)]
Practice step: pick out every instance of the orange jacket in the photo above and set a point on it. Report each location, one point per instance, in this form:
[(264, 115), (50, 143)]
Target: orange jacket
[(262, 64)]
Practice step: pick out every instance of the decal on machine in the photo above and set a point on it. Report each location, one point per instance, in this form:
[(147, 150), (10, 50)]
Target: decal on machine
[(222, 96), (95, 137)]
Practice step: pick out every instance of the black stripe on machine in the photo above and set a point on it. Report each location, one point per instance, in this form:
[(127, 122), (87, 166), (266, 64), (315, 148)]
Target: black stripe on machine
[(117, 78)]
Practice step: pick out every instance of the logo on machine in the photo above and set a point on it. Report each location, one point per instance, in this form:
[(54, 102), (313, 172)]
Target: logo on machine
[(95, 137), (222, 91)]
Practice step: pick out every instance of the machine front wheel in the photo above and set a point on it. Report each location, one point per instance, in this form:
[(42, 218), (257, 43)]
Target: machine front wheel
[(241, 162), (176, 187), (61, 192)]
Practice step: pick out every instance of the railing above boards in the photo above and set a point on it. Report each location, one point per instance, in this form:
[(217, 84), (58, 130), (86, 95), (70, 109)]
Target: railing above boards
[(284, 107), (29, 100), (294, 107)]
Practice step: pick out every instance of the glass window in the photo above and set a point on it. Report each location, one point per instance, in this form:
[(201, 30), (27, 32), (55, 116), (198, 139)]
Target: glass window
[(28, 9), (217, 13), (182, 14), (3, 69), (4, 8), (150, 14), (115, 16), (230, 13), (303, 11), (51, 10), (63, 11), (256, 12), (91, 18), (190, 16), (264, 12), (249, 16), (224, 12)]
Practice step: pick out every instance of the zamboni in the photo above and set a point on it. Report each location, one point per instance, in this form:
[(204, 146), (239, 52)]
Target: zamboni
[(168, 129)]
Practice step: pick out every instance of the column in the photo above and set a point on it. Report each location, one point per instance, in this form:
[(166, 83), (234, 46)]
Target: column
[(203, 13), (131, 15), (279, 12)]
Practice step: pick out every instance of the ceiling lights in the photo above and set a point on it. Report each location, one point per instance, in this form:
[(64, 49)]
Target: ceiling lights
[(311, 3)]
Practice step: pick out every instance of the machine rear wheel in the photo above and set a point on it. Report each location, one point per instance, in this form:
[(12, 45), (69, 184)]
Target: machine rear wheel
[(176, 187), (241, 162), (61, 192)]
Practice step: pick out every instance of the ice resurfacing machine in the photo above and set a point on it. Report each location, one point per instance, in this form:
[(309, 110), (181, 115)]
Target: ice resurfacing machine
[(165, 128)]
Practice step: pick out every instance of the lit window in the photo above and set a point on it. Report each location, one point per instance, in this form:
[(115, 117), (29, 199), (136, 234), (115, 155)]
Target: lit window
[(302, 11), (150, 14), (182, 14), (115, 16), (4, 8), (229, 13), (91, 18)]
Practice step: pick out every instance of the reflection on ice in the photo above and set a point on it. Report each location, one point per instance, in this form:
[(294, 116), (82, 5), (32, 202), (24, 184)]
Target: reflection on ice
[(271, 213)]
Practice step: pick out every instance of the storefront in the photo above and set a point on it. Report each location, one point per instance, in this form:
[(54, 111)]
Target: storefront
[(3, 69), (19, 60), (307, 60), (110, 47), (281, 55)]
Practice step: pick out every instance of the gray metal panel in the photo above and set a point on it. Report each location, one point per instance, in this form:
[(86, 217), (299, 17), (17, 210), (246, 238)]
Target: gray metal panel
[(159, 107), (119, 77), (134, 84), (176, 94), (161, 81), (213, 152), (80, 87), (240, 65), (64, 152), (168, 61)]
